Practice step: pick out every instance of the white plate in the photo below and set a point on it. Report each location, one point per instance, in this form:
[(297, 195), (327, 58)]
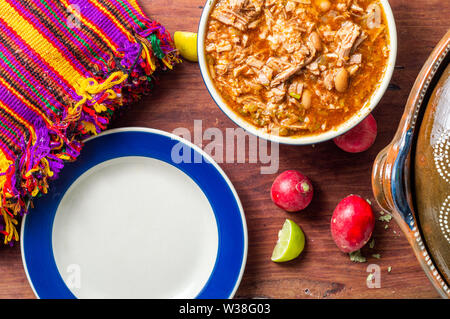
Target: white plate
[(126, 220)]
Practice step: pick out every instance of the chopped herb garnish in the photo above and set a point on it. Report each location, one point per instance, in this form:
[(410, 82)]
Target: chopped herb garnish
[(372, 243), (377, 256), (385, 218), (295, 95), (386, 226), (389, 269), (356, 257), (368, 200), (370, 277)]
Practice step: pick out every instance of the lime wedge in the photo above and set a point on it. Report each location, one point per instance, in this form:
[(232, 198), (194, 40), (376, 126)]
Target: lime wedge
[(290, 244), (186, 43)]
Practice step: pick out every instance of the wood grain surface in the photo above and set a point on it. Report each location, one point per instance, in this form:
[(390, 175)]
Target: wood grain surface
[(321, 271)]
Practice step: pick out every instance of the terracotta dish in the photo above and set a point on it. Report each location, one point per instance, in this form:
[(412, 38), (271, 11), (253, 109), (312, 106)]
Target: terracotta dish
[(411, 176)]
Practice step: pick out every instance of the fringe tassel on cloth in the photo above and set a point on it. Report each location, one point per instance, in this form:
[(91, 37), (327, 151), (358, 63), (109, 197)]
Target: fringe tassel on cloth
[(65, 67)]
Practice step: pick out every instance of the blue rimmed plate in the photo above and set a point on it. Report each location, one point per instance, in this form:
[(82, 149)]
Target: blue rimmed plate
[(141, 214)]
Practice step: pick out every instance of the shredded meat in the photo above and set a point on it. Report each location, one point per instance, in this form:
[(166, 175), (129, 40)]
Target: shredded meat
[(359, 40), (287, 66), (355, 59), (228, 20), (373, 16), (356, 9), (328, 78), (277, 94), (296, 88), (286, 74), (254, 62), (223, 47), (265, 75), (237, 5), (237, 71), (346, 37)]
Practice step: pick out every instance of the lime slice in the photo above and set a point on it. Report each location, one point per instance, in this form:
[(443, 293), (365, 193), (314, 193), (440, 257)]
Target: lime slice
[(290, 244), (186, 43)]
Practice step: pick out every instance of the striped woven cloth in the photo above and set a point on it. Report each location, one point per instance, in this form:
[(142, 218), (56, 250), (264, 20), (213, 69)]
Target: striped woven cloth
[(65, 67)]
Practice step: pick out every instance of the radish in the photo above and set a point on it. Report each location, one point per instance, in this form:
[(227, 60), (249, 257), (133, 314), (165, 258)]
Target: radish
[(292, 191), (352, 223), (359, 138)]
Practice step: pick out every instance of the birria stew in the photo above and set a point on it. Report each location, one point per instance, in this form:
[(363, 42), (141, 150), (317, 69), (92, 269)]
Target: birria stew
[(296, 67)]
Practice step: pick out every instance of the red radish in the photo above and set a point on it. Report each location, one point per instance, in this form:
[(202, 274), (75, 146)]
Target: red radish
[(359, 138), (352, 223), (292, 191)]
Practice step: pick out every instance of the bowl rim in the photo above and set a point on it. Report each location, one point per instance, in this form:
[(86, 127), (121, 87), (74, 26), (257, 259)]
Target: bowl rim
[(307, 139)]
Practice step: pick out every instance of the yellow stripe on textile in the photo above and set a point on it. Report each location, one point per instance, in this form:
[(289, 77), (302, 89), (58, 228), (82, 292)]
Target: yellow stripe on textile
[(136, 6), (45, 49), (4, 165)]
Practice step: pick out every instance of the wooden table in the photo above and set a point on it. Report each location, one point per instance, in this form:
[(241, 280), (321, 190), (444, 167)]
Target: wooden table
[(321, 271)]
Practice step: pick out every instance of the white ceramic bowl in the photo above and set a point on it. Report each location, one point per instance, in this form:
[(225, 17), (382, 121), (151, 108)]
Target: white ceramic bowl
[(298, 140)]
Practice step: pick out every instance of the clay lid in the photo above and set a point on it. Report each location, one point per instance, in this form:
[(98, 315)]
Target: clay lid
[(411, 175), (431, 173)]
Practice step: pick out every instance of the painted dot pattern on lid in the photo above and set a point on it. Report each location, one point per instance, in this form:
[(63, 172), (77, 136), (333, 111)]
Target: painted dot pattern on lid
[(442, 162)]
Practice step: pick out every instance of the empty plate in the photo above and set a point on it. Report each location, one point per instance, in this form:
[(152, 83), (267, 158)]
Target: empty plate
[(141, 214)]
